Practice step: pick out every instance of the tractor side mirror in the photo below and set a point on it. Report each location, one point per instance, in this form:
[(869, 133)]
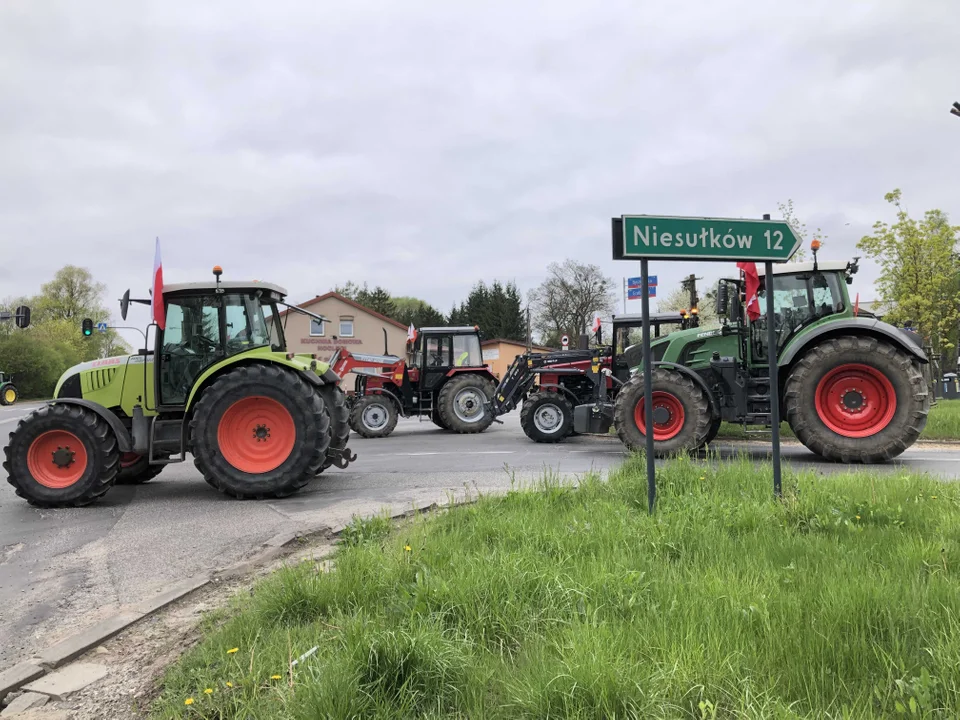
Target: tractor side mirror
[(125, 304), (723, 299), (22, 316), (87, 327)]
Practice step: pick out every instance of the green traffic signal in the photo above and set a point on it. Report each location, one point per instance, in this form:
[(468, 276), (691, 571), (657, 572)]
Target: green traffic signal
[(87, 327)]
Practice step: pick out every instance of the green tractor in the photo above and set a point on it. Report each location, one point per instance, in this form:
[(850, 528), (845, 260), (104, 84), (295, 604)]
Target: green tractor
[(259, 421), (8, 391), (852, 388)]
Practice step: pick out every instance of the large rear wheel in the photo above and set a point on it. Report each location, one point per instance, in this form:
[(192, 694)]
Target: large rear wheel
[(373, 416), (260, 431), (8, 394), (857, 399), (546, 417), (463, 403), (681, 413), (62, 456)]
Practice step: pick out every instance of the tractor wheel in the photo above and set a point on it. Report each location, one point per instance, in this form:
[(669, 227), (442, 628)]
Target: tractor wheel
[(259, 431), (463, 403), (547, 417), (712, 432), (437, 420), (335, 401), (135, 470), (8, 394), (856, 399), (681, 413), (62, 456), (374, 416)]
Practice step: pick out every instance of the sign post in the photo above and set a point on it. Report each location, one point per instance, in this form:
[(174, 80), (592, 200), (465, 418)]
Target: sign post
[(642, 237)]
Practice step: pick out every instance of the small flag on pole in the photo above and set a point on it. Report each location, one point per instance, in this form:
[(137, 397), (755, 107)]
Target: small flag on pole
[(411, 333), (156, 297), (596, 324)]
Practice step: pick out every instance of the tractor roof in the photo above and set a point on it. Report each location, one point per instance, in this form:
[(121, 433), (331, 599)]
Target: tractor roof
[(210, 287), (788, 268), (654, 317), (449, 330)]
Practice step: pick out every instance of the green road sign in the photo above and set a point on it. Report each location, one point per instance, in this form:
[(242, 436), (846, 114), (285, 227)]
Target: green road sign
[(690, 238)]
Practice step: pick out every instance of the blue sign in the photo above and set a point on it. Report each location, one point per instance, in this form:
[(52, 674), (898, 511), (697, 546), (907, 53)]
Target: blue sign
[(637, 293), (102, 327), (633, 283)]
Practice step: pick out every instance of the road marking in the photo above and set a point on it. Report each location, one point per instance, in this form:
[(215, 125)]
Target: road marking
[(488, 452), (419, 454), (9, 420)]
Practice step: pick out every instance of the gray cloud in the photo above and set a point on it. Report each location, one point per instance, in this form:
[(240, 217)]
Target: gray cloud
[(427, 145)]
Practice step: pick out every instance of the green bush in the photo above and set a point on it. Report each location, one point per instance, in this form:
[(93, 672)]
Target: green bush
[(36, 365)]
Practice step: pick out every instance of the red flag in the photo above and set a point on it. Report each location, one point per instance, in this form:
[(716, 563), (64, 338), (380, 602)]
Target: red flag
[(753, 285), (156, 299), (596, 324)]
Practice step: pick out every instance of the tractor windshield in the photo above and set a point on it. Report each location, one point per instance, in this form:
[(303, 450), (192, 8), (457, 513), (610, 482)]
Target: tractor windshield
[(798, 300), (466, 351)]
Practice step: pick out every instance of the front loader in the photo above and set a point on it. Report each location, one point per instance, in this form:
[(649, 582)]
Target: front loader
[(259, 421)]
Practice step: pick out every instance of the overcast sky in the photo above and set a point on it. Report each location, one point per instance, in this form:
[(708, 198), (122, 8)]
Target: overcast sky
[(427, 145)]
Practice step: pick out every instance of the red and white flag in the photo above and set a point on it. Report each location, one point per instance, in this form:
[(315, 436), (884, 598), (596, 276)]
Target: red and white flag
[(411, 333), (753, 285), (596, 324), (156, 299)]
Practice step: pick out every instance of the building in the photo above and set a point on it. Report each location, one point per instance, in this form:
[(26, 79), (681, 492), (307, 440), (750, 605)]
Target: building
[(352, 326), (499, 354)]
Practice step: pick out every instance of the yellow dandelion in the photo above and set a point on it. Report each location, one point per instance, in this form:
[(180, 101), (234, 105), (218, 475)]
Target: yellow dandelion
[(208, 691), (231, 651), (703, 477), (276, 677), (229, 684), (858, 517), (407, 548), (188, 701), (933, 497)]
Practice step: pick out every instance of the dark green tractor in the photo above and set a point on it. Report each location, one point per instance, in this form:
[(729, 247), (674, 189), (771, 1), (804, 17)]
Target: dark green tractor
[(8, 391), (851, 387)]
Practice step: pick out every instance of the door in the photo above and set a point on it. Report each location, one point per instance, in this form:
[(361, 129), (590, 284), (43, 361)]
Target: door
[(189, 344), (436, 360)]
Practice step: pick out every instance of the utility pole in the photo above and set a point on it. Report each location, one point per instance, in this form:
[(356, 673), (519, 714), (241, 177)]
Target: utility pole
[(529, 339), (690, 285)]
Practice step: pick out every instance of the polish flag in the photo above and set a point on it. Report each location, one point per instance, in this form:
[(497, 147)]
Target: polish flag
[(156, 299), (596, 324), (411, 333), (753, 285)]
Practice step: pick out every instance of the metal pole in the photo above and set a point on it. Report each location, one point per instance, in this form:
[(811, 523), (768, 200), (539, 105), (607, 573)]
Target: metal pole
[(648, 389), (624, 296), (774, 378), (529, 337)]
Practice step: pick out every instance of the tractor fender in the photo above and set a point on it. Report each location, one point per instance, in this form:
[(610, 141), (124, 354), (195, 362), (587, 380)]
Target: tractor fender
[(124, 442), (562, 390), (683, 370), (384, 390), (855, 326), (212, 372)]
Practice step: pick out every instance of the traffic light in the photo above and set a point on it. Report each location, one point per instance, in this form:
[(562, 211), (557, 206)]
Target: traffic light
[(87, 327)]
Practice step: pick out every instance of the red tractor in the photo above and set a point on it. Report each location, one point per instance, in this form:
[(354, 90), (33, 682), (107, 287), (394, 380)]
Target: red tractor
[(443, 377)]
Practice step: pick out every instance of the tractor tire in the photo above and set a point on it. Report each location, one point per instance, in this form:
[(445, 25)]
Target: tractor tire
[(135, 470), (685, 411), (463, 403), (547, 417), (374, 416), (8, 394), (62, 456), (259, 431), (437, 420), (712, 432), (856, 399), (335, 401)]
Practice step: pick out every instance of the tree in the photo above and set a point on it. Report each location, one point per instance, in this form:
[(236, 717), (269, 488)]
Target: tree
[(411, 310), (679, 299), (920, 271), (496, 309), (568, 300), (787, 212)]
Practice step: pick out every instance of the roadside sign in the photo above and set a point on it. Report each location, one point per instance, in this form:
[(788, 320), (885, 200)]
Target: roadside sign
[(637, 293), (565, 341), (634, 283), (692, 238), (101, 327)]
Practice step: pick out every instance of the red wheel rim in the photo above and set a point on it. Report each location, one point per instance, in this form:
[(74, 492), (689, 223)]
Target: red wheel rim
[(671, 424), (128, 459), (855, 400), (57, 459), (256, 434)]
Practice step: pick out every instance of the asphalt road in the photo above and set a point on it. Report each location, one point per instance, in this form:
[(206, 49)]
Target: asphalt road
[(61, 570)]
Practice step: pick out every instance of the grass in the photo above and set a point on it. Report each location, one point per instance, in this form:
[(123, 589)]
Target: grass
[(943, 423), (841, 601)]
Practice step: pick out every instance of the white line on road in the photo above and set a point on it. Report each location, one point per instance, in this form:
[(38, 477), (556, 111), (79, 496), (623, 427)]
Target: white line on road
[(9, 420), (474, 452)]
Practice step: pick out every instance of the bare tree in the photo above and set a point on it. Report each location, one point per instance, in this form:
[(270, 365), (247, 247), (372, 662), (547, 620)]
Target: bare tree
[(568, 300)]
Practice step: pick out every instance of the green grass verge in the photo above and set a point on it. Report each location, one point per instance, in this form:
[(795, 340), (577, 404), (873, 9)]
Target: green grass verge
[(943, 423), (841, 601)]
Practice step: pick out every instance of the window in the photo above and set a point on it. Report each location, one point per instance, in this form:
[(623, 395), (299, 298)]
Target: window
[(191, 342), (346, 326), (466, 351), (316, 327), (437, 351), (798, 300)]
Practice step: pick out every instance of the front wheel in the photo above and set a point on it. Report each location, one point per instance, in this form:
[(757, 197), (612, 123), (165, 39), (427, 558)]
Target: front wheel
[(464, 403), (259, 431), (681, 413), (62, 456), (856, 399), (374, 416), (8, 394), (546, 417)]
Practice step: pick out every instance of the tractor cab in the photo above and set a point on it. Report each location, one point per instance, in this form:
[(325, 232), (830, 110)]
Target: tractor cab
[(438, 351)]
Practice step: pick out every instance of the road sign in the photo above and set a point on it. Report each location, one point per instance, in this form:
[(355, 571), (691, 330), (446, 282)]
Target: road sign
[(637, 293), (633, 283), (565, 341), (102, 327), (691, 238)]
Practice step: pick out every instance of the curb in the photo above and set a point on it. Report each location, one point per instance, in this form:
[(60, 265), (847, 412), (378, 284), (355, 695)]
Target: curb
[(74, 646)]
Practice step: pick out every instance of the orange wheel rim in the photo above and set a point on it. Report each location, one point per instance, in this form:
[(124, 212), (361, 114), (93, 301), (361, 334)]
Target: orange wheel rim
[(256, 434), (57, 459), (128, 459)]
